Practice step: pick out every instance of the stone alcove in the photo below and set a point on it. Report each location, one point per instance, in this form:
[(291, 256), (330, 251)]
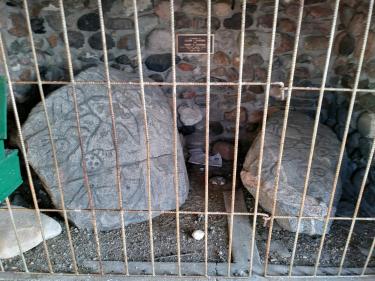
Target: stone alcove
[(190, 17)]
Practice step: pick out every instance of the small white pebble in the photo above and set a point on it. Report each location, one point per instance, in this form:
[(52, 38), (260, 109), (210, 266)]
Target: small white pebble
[(198, 234)]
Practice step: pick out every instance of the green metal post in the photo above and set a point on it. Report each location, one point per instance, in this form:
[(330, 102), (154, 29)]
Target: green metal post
[(10, 174), (3, 110)]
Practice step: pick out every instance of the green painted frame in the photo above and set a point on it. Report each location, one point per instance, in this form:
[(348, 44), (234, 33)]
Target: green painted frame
[(10, 173)]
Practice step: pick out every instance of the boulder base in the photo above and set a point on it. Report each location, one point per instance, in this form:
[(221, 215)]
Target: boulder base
[(293, 171), (99, 153)]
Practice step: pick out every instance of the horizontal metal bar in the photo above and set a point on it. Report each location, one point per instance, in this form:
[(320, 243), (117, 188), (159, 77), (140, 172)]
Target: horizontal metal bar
[(219, 268), (265, 215), (147, 83), (277, 270), (331, 89), (137, 211), (203, 84), (216, 269)]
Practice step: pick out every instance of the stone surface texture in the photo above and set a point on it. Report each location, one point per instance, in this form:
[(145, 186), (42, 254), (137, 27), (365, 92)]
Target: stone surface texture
[(28, 231), (99, 152), (293, 170)]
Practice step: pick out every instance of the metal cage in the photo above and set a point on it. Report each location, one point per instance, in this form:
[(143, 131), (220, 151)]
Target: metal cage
[(242, 249)]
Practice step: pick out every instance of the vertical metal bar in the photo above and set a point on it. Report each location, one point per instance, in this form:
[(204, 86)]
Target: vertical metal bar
[(42, 96), (368, 257), (207, 137), (315, 131), (358, 204), (264, 125), (237, 130), (283, 133), (147, 137), (76, 109), (175, 137), (346, 132), (114, 136), (16, 234), (24, 153)]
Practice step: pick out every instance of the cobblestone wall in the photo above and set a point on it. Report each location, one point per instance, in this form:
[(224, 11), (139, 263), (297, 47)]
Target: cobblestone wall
[(191, 17)]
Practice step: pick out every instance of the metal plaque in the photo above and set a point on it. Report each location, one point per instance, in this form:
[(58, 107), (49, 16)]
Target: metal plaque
[(193, 43)]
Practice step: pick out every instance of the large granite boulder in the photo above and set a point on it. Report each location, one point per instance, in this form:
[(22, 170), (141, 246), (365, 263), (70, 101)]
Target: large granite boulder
[(293, 171), (99, 153)]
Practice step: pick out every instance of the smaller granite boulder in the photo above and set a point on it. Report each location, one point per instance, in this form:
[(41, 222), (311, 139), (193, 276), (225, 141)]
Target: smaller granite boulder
[(28, 230), (293, 171)]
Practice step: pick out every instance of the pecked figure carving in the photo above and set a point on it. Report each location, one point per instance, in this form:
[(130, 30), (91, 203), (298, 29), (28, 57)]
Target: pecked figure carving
[(293, 171), (99, 153)]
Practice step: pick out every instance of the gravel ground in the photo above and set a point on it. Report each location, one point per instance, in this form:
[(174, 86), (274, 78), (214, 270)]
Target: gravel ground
[(165, 245), (307, 247), (138, 243)]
